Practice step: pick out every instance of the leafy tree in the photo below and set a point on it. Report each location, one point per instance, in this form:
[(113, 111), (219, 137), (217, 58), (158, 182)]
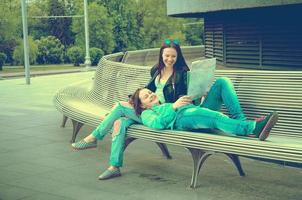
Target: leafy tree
[(194, 30), (19, 52), (76, 55), (38, 27), (126, 27), (100, 28), (95, 54), (10, 27), (157, 26), (50, 50), (59, 27), (179, 36), (2, 60)]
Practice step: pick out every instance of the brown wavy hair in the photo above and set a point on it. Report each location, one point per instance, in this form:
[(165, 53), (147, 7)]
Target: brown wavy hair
[(136, 102)]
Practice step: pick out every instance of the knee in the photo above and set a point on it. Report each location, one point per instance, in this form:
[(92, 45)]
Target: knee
[(223, 81), (116, 106), (116, 127), (125, 104), (119, 127), (121, 106)]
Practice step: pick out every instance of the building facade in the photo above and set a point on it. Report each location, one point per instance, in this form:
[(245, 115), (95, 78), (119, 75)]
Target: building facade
[(248, 34)]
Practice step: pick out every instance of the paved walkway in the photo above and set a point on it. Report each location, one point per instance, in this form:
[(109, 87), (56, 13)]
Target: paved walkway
[(36, 161)]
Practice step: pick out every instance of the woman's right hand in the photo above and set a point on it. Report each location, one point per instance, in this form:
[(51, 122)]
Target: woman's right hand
[(182, 101)]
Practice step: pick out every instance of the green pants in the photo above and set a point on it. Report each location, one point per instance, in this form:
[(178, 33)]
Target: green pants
[(125, 116), (195, 117)]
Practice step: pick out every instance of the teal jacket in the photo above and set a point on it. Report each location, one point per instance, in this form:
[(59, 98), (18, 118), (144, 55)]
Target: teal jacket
[(162, 116), (174, 88)]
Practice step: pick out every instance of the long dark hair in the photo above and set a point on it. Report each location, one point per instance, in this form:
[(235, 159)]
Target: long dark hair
[(180, 63), (136, 102)]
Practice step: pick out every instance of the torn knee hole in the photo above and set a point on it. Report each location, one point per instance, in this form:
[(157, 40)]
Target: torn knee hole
[(116, 127)]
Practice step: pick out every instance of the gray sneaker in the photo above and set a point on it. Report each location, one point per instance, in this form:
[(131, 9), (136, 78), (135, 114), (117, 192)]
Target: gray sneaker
[(108, 174), (81, 145)]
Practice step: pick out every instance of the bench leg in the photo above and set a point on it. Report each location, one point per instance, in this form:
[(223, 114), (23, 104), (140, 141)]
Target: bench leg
[(128, 140), (76, 128), (64, 121), (199, 157), (236, 161), (164, 149)]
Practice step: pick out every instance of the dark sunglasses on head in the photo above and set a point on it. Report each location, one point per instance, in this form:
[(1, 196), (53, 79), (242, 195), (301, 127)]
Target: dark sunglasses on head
[(168, 41)]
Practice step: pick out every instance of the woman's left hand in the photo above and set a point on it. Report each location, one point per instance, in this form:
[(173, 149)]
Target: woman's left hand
[(182, 101)]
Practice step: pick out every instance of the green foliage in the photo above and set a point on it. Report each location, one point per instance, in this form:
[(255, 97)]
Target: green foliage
[(100, 29), (50, 50), (114, 26), (38, 27), (193, 31), (179, 36), (2, 60), (10, 27), (19, 52), (59, 27), (157, 26), (76, 55), (126, 29), (95, 54)]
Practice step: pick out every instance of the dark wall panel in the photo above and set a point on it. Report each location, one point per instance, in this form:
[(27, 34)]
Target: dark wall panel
[(264, 39)]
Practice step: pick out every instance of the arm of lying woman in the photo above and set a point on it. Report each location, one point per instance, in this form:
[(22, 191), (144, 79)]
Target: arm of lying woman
[(162, 116), (159, 117)]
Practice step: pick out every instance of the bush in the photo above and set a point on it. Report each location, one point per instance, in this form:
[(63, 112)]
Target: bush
[(95, 54), (50, 50), (18, 54), (75, 55), (2, 60)]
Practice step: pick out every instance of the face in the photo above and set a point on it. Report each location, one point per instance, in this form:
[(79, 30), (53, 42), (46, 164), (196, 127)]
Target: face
[(148, 98), (169, 56)]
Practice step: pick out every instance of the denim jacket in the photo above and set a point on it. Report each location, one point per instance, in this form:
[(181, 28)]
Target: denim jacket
[(173, 88)]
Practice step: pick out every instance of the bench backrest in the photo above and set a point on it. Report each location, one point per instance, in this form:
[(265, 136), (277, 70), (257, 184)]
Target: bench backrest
[(114, 81), (259, 91), (148, 57)]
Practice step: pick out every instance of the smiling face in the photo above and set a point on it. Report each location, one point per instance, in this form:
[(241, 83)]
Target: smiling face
[(147, 98), (169, 56)]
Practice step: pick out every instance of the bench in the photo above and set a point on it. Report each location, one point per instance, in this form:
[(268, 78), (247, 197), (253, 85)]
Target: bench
[(259, 92)]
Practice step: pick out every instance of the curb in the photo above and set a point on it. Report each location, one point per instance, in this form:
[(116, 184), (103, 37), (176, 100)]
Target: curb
[(40, 73)]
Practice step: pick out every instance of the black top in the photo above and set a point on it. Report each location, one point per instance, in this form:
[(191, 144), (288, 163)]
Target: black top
[(175, 87)]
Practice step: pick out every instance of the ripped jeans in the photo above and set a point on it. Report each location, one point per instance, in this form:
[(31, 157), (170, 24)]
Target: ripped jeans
[(120, 117)]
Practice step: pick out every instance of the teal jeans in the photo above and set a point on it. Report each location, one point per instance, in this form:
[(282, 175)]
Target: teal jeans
[(123, 117), (222, 91), (195, 117), (206, 116)]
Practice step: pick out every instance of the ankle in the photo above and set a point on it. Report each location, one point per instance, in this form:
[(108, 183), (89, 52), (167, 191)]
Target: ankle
[(112, 168), (90, 138)]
